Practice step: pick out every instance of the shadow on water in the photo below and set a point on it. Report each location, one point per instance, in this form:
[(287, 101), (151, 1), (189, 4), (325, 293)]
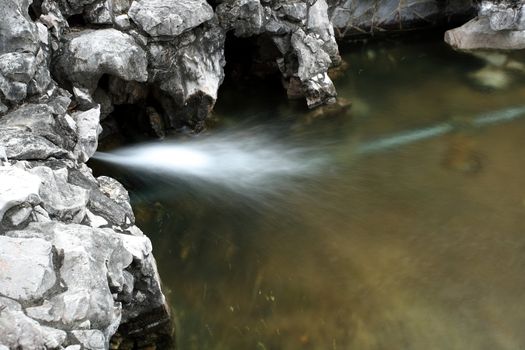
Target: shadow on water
[(397, 226)]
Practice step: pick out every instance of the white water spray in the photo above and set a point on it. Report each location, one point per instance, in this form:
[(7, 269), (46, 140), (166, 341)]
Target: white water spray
[(253, 159)]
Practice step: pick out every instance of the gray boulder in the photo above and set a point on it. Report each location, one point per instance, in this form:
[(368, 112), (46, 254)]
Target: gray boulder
[(478, 34), (89, 54), (500, 25)]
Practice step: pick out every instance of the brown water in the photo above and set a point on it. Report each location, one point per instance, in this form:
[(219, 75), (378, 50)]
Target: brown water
[(417, 247)]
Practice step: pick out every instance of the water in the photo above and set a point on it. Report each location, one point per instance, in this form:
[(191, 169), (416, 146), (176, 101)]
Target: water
[(397, 225)]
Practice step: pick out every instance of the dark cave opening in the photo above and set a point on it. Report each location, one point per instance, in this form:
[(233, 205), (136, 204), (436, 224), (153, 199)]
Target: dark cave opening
[(251, 71), (35, 10), (251, 58), (76, 21)]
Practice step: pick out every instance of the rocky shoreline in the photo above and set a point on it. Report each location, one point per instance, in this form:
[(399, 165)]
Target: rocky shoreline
[(74, 268)]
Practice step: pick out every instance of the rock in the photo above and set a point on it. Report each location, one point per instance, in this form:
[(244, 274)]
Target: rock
[(21, 144), (88, 129), (91, 339), (20, 215), (478, 34), (352, 18), (89, 54), (61, 200), (23, 71), (245, 17), (91, 259), (26, 271), (500, 25), (503, 15), (115, 191), (188, 72), (169, 17), (491, 78), (99, 269), (302, 33), (17, 186), (17, 331), (113, 210)]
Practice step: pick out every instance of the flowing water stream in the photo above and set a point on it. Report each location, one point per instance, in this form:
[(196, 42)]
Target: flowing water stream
[(399, 224)]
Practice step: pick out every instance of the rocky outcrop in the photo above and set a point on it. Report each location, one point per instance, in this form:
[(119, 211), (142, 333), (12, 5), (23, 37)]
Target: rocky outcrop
[(353, 18), (73, 265), (303, 34), (500, 25)]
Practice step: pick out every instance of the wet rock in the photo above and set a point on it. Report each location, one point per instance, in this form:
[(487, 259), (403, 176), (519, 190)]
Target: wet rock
[(27, 268), (169, 17)]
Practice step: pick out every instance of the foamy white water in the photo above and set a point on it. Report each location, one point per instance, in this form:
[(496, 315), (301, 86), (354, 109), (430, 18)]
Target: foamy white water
[(232, 160), (257, 159)]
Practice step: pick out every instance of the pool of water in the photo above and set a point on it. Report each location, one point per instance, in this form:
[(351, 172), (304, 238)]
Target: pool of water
[(417, 246)]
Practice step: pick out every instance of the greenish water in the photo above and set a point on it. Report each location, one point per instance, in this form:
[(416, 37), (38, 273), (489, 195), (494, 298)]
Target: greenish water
[(420, 246)]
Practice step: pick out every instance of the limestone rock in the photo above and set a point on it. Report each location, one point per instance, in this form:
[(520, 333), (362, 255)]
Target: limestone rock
[(352, 18), (169, 17), (17, 331), (61, 200), (504, 15), (91, 339), (26, 271), (478, 34), (189, 71), (25, 145), (89, 54), (16, 187), (97, 265), (88, 129)]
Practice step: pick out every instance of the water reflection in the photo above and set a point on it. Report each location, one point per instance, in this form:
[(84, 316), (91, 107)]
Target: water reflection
[(419, 247)]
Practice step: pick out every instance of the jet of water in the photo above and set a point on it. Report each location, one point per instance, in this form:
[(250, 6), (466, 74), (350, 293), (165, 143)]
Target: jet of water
[(256, 159), (236, 160)]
